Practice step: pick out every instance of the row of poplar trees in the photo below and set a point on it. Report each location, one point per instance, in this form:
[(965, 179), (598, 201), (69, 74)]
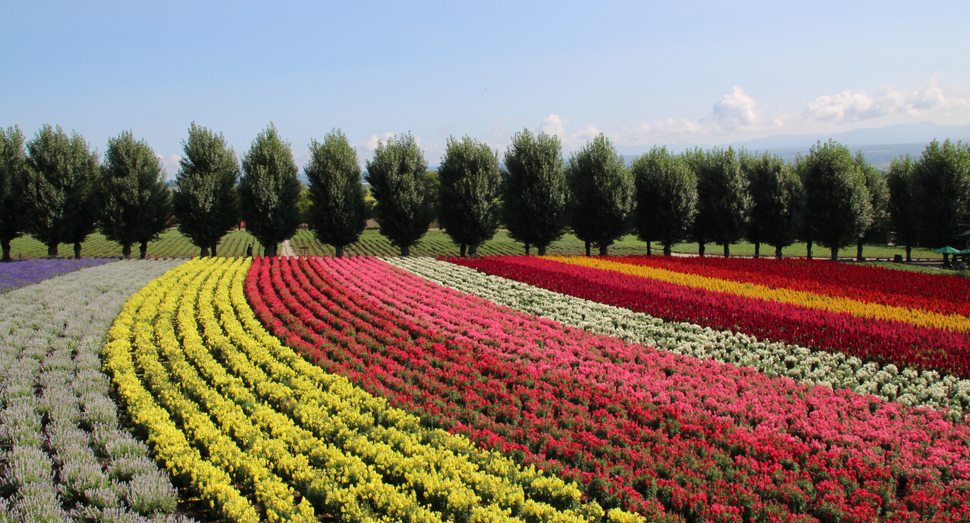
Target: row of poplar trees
[(54, 188)]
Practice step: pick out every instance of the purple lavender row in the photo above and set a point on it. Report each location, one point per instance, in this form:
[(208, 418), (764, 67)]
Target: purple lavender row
[(16, 274)]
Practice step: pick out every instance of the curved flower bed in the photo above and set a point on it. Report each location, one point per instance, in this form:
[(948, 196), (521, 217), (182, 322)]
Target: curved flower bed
[(261, 434), (67, 458), (835, 370), (16, 274), (631, 446), (870, 340), (914, 290)]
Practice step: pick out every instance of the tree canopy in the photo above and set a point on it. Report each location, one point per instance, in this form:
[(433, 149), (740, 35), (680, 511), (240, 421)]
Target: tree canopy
[(135, 203), (878, 200), (901, 208), (777, 201), (58, 191), (941, 187), (269, 190), (722, 195), (205, 203), (666, 197), (468, 205), (536, 197), (13, 175), (397, 176), (601, 190), (337, 212), (837, 203)]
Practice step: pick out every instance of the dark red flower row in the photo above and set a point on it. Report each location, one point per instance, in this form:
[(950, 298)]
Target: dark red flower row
[(937, 293), (871, 340), (658, 460)]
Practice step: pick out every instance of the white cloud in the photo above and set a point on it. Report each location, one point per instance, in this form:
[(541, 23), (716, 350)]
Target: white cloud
[(849, 106), (736, 110)]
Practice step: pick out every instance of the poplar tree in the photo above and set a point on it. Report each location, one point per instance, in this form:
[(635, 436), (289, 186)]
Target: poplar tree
[(468, 198), (901, 207), (205, 202), (337, 213), (666, 197), (601, 189), (535, 195), (722, 195), (13, 173), (837, 204), (397, 176), (269, 191), (777, 202), (134, 200), (58, 190), (941, 187), (878, 200)]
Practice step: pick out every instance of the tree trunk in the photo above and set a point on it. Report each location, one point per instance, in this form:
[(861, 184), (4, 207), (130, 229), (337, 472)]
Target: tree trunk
[(204, 252), (808, 249), (473, 251), (835, 254), (5, 245), (587, 249), (603, 250), (700, 249), (649, 253), (757, 249), (667, 250), (778, 252), (212, 249), (909, 252), (143, 250), (338, 251), (126, 251), (727, 250), (77, 250), (858, 252), (542, 250), (462, 249), (52, 250), (527, 249), (406, 250)]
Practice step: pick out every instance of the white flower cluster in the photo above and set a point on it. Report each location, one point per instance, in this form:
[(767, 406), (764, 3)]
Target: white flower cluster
[(910, 387), (68, 459)]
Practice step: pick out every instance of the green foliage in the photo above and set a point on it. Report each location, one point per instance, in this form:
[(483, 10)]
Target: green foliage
[(468, 199), (777, 201), (901, 208), (601, 190), (337, 211), (535, 194), (205, 203), (397, 175), (134, 200), (941, 187), (269, 190), (432, 183), (13, 174), (723, 201), (837, 204), (58, 192), (666, 197)]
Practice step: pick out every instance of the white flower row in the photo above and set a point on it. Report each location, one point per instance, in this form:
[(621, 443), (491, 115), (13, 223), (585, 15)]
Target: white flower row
[(909, 387), (69, 458)]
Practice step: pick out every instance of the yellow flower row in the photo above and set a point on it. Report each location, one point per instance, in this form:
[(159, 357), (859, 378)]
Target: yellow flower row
[(805, 299), (289, 435)]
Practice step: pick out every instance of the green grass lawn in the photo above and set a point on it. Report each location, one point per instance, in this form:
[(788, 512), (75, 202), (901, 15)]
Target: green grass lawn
[(434, 243)]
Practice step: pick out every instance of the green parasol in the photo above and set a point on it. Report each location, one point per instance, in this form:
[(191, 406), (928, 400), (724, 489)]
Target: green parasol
[(948, 250)]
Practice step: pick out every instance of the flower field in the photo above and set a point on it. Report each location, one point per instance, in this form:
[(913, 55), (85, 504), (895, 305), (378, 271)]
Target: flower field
[(491, 389), (19, 273)]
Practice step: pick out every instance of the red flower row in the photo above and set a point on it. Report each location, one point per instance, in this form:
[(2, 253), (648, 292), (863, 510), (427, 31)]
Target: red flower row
[(871, 340), (945, 295), (645, 457)]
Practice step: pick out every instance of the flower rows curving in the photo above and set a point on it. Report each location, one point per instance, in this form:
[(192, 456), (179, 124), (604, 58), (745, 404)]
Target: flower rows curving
[(261, 434), (671, 445), (835, 370), (901, 344)]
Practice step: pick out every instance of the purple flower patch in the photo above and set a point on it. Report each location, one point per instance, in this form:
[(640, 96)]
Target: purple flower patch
[(17, 274)]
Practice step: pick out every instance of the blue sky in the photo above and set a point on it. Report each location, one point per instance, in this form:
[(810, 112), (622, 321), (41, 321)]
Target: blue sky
[(643, 73)]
